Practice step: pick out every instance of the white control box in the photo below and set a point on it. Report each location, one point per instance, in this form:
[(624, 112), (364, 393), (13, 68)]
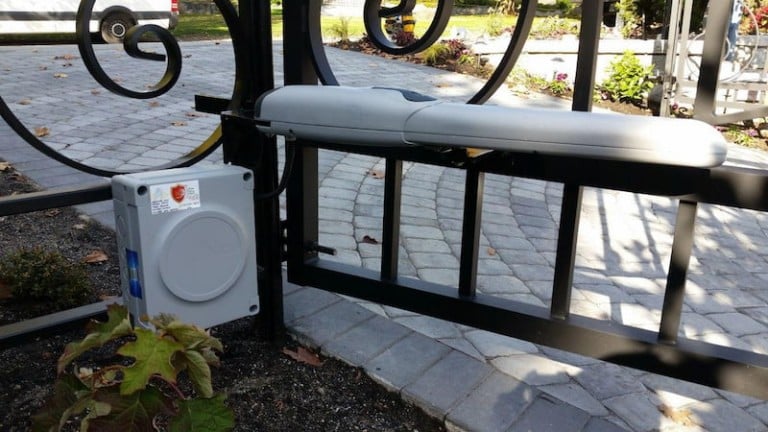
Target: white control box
[(186, 240)]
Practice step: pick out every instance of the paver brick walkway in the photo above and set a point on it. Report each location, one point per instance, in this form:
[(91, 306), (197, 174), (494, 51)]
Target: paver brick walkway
[(473, 379)]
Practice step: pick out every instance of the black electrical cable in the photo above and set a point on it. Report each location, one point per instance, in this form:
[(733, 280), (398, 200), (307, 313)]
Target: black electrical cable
[(290, 154)]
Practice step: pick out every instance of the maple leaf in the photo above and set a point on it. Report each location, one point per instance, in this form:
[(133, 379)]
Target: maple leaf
[(96, 256), (42, 131), (491, 251), (377, 174), (178, 123), (152, 356), (189, 335), (681, 416), (476, 152), (117, 325), (136, 412), (370, 240), (60, 75), (203, 415), (304, 355)]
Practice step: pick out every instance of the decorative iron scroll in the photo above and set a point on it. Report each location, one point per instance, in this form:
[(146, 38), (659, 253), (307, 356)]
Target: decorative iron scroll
[(131, 46), (173, 59), (373, 13)]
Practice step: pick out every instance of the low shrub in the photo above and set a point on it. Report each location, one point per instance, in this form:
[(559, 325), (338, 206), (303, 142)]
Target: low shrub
[(142, 389), (37, 275), (628, 81)]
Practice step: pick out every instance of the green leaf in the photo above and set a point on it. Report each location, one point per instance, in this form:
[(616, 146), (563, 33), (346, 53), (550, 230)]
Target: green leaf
[(95, 410), (210, 356), (117, 325), (66, 393), (199, 372), (134, 413), (191, 336), (203, 415), (153, 355)]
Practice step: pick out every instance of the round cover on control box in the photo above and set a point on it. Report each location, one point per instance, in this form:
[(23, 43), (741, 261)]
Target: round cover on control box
[(203, 256)]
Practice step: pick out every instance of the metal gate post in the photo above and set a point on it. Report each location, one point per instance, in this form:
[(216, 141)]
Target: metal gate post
[(244, 146)]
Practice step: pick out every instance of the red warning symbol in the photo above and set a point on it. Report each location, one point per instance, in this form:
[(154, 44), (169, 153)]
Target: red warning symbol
[(178, 192)]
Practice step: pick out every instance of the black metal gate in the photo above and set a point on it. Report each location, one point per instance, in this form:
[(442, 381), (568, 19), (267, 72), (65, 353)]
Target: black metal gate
[(296, 239)]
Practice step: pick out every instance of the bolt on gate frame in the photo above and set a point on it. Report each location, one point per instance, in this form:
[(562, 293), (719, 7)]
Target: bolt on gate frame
[(295, 239)]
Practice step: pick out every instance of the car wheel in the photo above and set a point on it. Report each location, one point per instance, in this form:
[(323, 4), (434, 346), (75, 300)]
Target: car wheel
[(114, 27)]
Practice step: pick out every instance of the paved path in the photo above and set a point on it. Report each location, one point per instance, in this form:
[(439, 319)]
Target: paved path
[(473, 379)]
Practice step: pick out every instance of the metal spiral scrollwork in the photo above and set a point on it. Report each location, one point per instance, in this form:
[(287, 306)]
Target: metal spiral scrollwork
[(131, 45), (514, 49), (173, 59), (373, 13)]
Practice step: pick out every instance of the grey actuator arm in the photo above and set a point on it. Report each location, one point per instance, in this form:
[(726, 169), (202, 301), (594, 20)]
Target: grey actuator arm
[(393, 117)]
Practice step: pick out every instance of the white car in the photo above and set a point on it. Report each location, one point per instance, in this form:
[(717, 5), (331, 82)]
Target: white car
[(111, 18)]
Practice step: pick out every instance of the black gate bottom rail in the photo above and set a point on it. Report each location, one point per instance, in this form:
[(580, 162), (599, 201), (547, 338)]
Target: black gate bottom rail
[(58, 322), (699, 362)]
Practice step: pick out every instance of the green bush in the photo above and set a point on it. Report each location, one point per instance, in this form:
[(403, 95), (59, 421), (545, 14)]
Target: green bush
[(340, 30), (562, 6), (628, 80), (37, 275), (643, 18), (553, 27), (436, 54), (494, 26)]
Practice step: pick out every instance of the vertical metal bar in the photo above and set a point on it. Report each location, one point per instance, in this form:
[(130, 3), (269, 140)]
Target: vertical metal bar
[(302, 193), (566, 251), (709, 73), (682, 244), (390, 242), (259, 153), (470, 231), (570, 212), (256, 21), (589, 39)]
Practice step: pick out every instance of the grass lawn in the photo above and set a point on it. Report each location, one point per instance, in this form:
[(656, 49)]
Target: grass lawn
[(200, 27), (194, 27)]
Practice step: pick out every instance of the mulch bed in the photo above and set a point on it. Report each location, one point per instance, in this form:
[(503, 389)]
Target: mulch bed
[(267, 389)]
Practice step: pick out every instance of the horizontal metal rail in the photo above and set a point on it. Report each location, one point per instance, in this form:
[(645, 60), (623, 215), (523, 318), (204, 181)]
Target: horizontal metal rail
[(54, 198), (55, 323)]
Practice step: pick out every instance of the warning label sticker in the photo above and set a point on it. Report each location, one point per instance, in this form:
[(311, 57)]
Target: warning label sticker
[(172, 197)]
